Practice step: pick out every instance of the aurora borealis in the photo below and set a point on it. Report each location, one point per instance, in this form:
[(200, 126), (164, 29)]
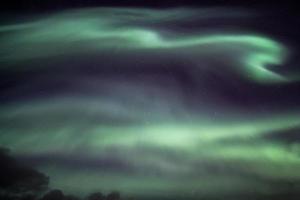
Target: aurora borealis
[(176, 102)]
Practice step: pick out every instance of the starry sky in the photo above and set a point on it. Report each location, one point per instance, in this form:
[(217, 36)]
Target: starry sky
[(182, 102)]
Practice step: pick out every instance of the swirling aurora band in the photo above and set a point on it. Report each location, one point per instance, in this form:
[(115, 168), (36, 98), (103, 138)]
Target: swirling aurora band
[(252, 53), (133, 134)]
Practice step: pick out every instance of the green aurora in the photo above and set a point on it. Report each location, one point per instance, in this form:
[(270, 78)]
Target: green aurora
[(137, 134), (81, 31)]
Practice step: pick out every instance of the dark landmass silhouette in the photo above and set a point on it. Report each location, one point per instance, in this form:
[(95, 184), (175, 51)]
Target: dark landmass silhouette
[(21, 182)]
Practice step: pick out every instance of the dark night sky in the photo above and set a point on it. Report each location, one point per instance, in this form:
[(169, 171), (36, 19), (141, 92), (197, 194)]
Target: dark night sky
[(159, 99)]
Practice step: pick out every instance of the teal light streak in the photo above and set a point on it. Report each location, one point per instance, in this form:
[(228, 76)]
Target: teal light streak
[(92, 31)]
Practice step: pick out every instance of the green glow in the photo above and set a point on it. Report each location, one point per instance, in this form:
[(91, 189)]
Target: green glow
[(98, 30), (199, 141), (162, 142)]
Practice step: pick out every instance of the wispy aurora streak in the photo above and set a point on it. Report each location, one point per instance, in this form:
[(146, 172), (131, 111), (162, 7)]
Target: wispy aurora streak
[(100, 100), (121, 30)]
